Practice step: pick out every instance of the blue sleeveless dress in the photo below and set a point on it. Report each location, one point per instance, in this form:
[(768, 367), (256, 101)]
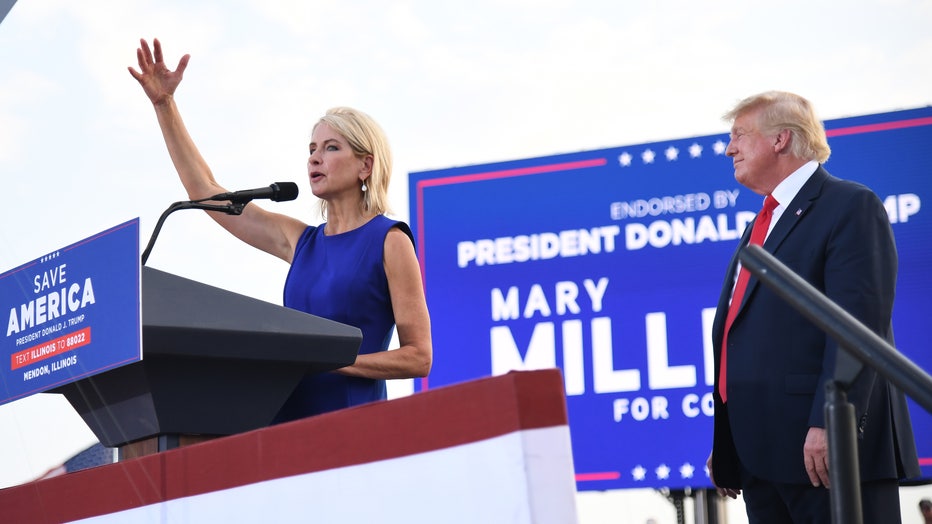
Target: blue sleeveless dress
[(342, 278)]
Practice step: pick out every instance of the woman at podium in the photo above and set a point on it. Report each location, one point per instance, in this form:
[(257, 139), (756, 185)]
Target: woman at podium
[(358, 268)]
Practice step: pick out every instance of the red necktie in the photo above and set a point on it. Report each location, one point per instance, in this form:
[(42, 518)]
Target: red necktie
[(758, 233)]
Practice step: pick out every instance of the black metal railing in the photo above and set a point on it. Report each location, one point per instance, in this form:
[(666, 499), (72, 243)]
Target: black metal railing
[(862, 347)]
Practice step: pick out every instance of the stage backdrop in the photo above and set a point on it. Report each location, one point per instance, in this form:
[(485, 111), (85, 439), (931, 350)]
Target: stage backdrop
[(608, 265)]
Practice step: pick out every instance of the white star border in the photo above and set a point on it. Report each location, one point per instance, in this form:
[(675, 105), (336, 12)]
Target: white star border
[(663, 471), (670, 153), (49, 257)]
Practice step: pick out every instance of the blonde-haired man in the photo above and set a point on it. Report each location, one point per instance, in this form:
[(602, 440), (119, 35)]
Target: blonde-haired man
[(771, 364)]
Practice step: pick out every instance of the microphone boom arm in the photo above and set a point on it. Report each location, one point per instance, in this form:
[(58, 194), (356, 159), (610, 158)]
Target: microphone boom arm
[(230, 209)]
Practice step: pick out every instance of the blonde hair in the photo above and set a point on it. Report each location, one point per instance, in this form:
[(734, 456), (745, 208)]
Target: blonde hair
[(365, 137), (780, 110)]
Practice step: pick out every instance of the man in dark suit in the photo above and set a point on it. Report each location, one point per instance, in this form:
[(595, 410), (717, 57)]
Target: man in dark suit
[(771, 363)]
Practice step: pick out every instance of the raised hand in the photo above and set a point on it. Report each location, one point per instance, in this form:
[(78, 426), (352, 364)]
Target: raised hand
[(158, 82)]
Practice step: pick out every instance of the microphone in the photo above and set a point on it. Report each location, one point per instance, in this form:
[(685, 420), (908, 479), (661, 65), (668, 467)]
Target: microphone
[(277, 192)]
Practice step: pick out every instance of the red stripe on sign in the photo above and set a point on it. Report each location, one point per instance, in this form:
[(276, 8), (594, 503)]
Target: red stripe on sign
[(883, 126), (605, 475), (506, 173), (52, 348)]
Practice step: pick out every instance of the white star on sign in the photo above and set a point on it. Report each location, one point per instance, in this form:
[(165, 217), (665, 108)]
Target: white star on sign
[(663, 472), (719, 147), (687, 470), (638, 473), (648, 156), (672, 153), (624, 159), (695, 150)]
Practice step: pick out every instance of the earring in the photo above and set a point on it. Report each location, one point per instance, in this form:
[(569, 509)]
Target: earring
[(364, 188)]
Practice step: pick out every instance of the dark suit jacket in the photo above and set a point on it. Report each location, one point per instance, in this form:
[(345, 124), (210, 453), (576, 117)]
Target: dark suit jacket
[(836, 235)]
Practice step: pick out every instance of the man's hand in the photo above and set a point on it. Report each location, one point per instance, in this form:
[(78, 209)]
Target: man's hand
[(724, 492), (815, 455)]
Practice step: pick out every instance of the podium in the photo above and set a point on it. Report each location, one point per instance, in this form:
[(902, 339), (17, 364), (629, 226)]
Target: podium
[(494, 449), (214, 363)]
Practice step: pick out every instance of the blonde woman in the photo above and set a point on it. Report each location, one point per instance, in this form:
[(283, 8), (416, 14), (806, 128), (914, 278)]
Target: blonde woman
[(358, 268)]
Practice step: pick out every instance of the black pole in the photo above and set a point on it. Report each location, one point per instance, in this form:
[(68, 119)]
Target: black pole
[(230, 209), (676, 497), (844, 474), (679, 497), (707, 506)]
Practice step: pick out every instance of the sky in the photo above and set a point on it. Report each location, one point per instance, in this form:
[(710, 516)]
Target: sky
[(452, 83)]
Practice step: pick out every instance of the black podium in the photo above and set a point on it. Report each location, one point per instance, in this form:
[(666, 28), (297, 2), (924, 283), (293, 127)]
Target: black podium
[(215, 363)]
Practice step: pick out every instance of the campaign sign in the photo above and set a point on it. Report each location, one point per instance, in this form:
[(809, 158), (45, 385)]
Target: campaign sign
[(71, 314), (608, 264)]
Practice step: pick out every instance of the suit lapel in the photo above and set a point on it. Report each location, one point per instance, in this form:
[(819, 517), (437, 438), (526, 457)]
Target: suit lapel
[(791, 216), (794, 212), (796, 209)]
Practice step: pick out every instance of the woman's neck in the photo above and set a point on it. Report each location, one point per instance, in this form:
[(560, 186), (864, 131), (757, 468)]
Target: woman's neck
[(342, 217)]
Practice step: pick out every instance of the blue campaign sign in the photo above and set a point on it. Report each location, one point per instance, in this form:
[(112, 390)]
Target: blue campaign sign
[(608, 264), (72, 313)]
